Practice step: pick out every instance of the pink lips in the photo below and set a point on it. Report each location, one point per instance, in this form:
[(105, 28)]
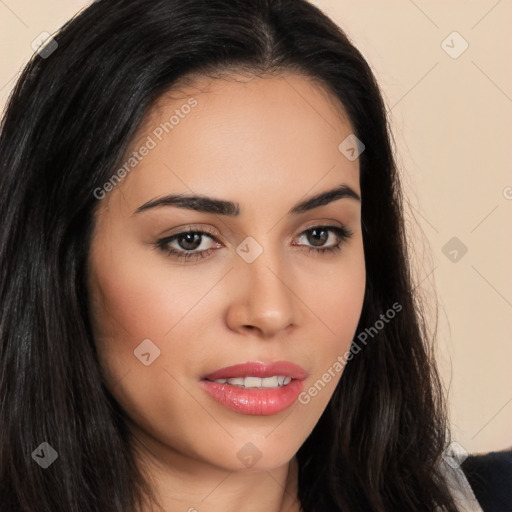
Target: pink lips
[(256, 401)]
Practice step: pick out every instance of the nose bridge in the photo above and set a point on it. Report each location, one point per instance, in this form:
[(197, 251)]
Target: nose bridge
[(267, 295)]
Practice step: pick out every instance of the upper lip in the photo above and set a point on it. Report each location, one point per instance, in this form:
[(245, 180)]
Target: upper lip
[(257, 369)]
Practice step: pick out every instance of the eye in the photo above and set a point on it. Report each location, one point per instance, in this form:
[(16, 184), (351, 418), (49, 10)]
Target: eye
[(189, 245), (186, 244), (320, 235)]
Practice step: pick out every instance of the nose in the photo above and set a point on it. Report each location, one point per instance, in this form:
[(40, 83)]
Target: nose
[(263, 299)]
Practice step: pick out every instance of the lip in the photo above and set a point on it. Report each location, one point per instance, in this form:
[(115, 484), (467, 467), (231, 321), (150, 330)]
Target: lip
[(255, 401), (256, 369)]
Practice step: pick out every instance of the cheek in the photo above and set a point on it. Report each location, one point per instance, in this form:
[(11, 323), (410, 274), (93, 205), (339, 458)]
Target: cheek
[(338, 299), (136, 300), (337, 302), (133, 301)]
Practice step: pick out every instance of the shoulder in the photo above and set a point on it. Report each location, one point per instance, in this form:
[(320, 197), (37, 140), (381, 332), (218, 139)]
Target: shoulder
[(490, 477)]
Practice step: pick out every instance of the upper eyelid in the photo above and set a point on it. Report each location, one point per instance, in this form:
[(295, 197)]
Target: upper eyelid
[(212, 232)]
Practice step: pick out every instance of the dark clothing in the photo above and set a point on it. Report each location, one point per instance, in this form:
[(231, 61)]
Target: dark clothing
[(490, 477)]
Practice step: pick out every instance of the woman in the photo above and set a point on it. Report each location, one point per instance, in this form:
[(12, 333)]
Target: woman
[(206, 301)]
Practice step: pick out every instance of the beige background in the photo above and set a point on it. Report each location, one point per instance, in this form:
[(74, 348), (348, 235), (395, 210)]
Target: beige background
[(450, 119)]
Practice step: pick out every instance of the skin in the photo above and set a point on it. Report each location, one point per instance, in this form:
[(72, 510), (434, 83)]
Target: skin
[(264, 143)]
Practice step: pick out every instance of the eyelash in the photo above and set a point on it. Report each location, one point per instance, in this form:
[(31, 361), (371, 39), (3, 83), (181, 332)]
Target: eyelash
[(341, 232)]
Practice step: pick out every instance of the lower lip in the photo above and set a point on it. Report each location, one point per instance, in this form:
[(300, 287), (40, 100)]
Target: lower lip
[(255, 401)]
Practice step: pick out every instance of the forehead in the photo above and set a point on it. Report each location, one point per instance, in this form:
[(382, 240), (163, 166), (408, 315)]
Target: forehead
[(236, 134)]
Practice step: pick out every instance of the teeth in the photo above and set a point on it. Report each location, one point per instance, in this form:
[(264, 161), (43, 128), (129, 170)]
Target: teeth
[(256, 382), (269, 382), (253, 382)]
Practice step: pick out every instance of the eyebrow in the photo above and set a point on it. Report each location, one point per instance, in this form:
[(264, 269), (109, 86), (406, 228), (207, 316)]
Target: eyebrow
[(206, 204)]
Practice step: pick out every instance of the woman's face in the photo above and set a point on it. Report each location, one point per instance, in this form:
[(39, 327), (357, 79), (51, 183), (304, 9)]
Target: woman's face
[(169, 312)]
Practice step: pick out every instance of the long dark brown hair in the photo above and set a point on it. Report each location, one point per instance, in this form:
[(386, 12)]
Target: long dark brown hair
[(69, 120)]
